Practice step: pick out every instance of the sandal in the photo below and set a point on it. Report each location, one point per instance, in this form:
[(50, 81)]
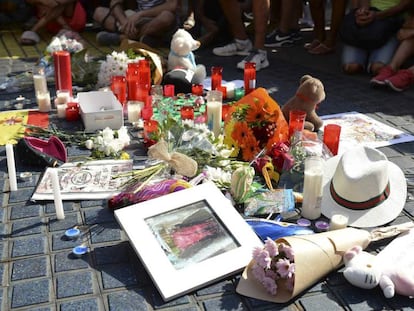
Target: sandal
[(321, 49), (29, 38), (311, 45)]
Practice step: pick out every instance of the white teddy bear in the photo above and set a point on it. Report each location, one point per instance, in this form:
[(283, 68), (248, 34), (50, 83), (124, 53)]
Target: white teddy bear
[(392, 269), (181, 56)]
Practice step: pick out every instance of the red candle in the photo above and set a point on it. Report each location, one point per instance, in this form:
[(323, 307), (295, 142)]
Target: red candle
[(296, 121), (225, 108), (249, 77), (187, 113), (169, 90), (132, 80), (216, 77), (144, 72), (223, 90), (119, 88), (72, 112), (197, 89), (142, 92), (63, 71), (331, 135), (150, 132)]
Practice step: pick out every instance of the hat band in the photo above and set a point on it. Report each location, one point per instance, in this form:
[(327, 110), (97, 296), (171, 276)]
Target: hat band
[(360, 205)]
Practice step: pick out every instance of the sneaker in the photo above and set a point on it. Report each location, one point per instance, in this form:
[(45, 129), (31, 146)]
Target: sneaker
[(237, 47), (278, 39), (296, 35), (385, 73), (402, 80), (257, 56), (107, 38)]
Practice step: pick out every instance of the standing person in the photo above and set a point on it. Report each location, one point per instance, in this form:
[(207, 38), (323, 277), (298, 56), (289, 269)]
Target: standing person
[(55, 15), (324, 41), (393, 75), (242, 45), (357, 59), (145, 21)]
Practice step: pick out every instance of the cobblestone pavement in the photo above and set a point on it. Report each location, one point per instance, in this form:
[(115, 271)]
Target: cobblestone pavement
[(37, 270)]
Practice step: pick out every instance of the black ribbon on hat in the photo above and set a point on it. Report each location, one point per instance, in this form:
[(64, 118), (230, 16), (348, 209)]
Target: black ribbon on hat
[(375, 201)]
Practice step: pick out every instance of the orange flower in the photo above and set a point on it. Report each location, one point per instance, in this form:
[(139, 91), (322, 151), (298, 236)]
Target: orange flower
[(250, 148), (256, 113), (241, 132)]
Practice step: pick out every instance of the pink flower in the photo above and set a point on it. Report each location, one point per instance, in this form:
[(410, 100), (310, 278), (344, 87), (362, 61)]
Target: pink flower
[(271, 247), (287, 250), (270, 285), (285, 268), (258, 272), (262, 258)]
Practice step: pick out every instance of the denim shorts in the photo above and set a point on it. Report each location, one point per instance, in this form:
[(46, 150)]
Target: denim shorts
[(355, 55)]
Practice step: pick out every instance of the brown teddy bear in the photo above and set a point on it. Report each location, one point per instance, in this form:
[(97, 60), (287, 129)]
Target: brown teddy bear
[(309, 94)]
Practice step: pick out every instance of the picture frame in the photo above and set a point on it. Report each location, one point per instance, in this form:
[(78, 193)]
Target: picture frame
[(188, 239)]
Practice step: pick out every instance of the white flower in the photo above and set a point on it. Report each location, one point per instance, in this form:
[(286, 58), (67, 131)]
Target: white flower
[(107, 134), (123, 136), (89, 144)]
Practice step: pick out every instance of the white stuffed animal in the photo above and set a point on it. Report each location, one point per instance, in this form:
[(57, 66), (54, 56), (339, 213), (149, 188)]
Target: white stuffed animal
[(392, 269), (181, 56)]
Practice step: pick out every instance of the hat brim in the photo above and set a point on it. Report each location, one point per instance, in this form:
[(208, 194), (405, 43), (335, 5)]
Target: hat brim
[(376, 216)]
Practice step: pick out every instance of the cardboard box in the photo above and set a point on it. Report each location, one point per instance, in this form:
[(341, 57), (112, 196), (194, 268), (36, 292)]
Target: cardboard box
[(100, 109)]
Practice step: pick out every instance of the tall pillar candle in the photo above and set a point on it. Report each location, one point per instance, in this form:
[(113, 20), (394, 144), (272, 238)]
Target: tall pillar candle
[(312, 188), (57, 196), (214, 111), (11, 167), (39, 80), (63, 71)]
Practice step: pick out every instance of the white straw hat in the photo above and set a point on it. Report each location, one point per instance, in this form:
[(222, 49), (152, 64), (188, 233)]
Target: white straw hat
[(363, 185)]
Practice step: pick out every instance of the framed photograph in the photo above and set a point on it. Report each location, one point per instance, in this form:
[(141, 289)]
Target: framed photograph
[(188, 239)]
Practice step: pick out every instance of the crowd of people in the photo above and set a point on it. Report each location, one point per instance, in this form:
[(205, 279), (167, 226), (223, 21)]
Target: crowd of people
[(273, 24)]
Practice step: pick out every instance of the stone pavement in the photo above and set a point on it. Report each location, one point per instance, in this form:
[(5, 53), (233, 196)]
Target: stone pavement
[(38, 272)]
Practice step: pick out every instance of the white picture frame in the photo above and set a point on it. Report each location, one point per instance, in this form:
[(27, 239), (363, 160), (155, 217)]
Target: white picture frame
[(188, 239)]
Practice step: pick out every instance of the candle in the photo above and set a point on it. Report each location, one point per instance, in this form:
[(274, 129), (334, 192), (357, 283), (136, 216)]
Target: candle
[(11, 167), (40, 85), (60, 214), (144, 73), (216, 77), (296, 121), (134, 111), (223, 91), (197, 89), (312, 188), (187, 113), (61, 111), (150, 132), (119, 88), (331, 136), (132, 80), (62, 97), (249, 77), (338, 222), (169, 90), (63, 71), (43, 102), (214, 111)]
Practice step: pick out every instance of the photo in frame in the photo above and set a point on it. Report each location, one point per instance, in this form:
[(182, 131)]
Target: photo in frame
[(188, 239)]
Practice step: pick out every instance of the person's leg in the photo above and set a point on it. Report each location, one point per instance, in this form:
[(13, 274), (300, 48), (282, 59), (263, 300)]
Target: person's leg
[(382, 56), (102, 15), (338, 13), (317, 9), (353, 59), (158, 26)]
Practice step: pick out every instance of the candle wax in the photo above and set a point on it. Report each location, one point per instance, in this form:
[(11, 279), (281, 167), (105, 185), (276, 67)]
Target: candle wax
[(40, 85), (11, 167)]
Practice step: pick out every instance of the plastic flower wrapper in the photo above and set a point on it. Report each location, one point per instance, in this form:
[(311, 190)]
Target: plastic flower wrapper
[(253, 123)]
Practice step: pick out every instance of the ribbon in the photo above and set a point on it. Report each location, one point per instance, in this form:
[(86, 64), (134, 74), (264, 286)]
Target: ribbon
[(181, 163)]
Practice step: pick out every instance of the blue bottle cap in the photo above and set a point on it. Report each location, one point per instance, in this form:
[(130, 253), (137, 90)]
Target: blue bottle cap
[(80, 250), (72, 233)]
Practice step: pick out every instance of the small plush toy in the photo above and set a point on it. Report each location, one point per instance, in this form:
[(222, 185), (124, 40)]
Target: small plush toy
[(392, 269), (181, 56), (308, 96)]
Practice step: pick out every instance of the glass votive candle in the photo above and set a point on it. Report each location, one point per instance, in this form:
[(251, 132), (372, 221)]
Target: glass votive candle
[(223, 91), (331, 137), (43, 101), (197, 89), (143, 92), (39, 79), (61, 110), (62, 97), (214, 116), (249, 77), (134, 111), (147, 112), (296, 121), (216, 77), (225, 108), (169, 90), (119, 88), (150, 132), (72, 111), (187, 113)]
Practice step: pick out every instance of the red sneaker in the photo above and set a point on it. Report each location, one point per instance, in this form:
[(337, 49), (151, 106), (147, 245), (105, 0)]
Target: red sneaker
[(384, 73), (402, 80)]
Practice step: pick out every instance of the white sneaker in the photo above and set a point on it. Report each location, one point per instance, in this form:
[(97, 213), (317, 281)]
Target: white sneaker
[(237, 47), (256, 56)]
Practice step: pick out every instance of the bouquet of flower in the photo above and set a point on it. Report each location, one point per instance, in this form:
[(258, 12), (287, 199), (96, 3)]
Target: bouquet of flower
[(253, 123), (288, 266)]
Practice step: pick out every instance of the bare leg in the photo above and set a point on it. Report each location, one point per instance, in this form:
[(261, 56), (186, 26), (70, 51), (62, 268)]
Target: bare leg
[(232, 12), (261, 16)]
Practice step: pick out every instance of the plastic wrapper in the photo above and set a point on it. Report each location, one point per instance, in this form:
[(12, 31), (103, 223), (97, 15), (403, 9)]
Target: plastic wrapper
[(270, 202)]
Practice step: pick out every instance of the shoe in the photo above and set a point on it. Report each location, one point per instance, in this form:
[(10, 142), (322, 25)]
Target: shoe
[(107, 38), (385, 73), (237, 47), (256, 56), (321, 49), (402, 80), (311, 45), (296, 35), (278, 39)]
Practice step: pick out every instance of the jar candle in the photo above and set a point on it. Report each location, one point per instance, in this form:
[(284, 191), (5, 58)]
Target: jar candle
[(150, 132), (144, 73), (296, 122), (61, 110), (214, 107), (216, 77), (331, 137), (132, 81), (169, 90), (338, 222), (187, 113), (134, 111), (62, 97), (43, 102), (223, 91), (39, 80), (119, 88), (312, 187), (63, 71), (197, 89), (249, 77), (72, 111)]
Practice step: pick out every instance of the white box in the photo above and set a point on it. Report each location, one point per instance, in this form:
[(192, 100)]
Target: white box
[(100, 109)]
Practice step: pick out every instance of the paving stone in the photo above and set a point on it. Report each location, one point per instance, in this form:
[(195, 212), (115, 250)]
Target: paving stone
[(74, 284), (107, 235), (98, 216), (362, 299), (30, 292), (70, 221), (228, 302), (130, 300), (313, 302), (24, 211), (65, 261), (60, 242), (51, 210), (158, 303), (220, 287), (121, 275), (91, 304), (93, 203), (27, 227), (112, 254), (21, 195), (30, 268), (29, 246)]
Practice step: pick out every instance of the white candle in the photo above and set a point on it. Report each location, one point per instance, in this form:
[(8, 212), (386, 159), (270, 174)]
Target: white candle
[(11, 167), (60, 214), (62, 97), (312, 188), (40, 85), (134, 111), (214, 117), (61, 110), (338, 222), (43, 101)]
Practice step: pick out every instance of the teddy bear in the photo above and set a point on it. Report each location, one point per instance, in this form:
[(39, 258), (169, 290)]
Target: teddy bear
[(308, 96), (181, 56), (392, 268)]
